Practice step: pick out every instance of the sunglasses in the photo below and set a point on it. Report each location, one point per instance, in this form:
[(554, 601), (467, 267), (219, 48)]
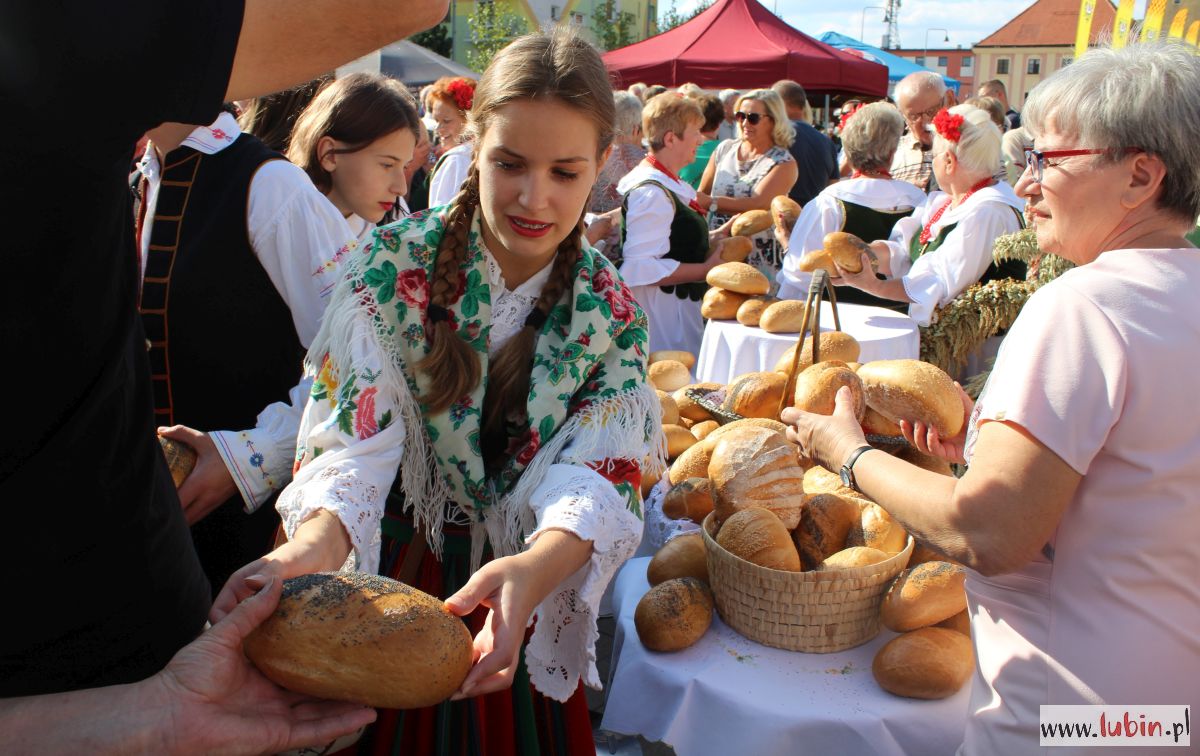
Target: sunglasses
[(1037, 160), (750, 118)]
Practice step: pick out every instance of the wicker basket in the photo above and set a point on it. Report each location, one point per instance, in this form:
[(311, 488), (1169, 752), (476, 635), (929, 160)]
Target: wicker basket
[(814, 612)]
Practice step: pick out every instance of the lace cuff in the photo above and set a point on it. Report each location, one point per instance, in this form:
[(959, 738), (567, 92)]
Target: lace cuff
[(562, 648), (356, 503)]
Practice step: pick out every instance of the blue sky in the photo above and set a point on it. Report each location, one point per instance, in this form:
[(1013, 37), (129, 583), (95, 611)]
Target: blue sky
[(968, 21)]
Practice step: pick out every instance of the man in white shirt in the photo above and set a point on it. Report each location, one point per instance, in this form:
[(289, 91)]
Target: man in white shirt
[(919, 97)]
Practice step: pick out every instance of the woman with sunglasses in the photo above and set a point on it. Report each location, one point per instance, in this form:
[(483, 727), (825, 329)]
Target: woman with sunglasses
[(945, 246), (1077, 514), (748, 172)]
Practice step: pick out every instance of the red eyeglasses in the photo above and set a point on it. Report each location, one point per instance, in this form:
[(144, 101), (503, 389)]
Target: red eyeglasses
[(1035, 160)]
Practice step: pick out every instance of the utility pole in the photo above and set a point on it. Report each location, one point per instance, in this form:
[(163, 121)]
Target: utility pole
[(891, 20)]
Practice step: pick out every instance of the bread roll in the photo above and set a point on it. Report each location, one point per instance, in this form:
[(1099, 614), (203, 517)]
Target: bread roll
[(693, 463), (687, 358), (670, 410), (854, 366), (738, 277), (691, 499), (915, 391), (855, 556), (847, 250), (748, 422), (752, 309), (756, 467), (674, 614), (669, 375), (785, 211), (650, 479), (759, 537), (736, 249), (750, 223), (721, 304), (819, 480), (835, 345), (181, 458), (702, 429), (783, 317), (878, 530), (875, 423), (929, 663), (825, 522), (682, 556), (817, 387), (817, 259), (687, 405), (679, 440), (755, 395), (351, 636), (959, 623), (923, 596)]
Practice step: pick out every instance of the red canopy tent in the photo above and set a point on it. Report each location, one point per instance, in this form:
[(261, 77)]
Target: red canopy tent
[(741, 44)]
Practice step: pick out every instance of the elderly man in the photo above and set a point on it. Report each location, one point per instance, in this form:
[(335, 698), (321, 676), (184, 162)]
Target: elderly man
[(919, 97), (729, 98), (814, 152), (995, 88)]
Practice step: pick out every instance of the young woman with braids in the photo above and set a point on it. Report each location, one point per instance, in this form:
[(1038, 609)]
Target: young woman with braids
[(488, 368)]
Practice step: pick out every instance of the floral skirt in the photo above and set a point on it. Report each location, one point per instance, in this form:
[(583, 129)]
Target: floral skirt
[(515, 722)]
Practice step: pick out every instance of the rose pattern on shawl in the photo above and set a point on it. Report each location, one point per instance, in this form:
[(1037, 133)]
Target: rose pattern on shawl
[(365, 424), (412, 287)]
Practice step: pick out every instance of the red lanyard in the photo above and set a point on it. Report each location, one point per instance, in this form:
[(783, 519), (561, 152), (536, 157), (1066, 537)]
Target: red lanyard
[(878, 174), (657, 164), (937, 214)]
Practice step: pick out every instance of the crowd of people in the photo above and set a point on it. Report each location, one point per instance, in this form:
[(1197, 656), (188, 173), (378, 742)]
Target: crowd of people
[(409, 336)]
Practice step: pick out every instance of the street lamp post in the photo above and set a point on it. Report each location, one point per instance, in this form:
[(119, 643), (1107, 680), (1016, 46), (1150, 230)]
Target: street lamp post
[(862, 27), (926, 58)]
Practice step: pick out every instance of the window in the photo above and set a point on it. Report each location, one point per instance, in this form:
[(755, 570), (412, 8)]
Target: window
[(1001, 66), (920, 60), (1066, 61), (577, 18), (1034, 66), (967, 61), (943, 61), (553, 12)]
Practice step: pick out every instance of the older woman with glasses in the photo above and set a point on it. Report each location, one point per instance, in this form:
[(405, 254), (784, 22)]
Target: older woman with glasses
[(1077, 513), (748, 172)]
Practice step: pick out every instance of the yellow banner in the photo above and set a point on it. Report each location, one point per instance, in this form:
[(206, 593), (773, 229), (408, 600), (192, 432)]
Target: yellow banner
[(1121, 24), (1083, 32), (1152, 24), (1178, 24), (1193, 33)]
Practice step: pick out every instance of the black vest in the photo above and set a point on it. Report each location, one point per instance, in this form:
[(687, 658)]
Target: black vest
[(222, 341), (869, 224), (688, 240)]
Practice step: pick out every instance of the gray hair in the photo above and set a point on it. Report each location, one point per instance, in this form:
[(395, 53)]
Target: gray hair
[(1144, 96), (728, 94), (629, 113), (919, 81), (871, 136)]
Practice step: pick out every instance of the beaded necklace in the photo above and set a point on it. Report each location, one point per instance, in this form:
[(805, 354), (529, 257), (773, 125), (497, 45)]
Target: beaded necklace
[(927, 231)]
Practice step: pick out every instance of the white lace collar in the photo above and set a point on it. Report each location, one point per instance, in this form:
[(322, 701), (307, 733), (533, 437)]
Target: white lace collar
[(510, 308)]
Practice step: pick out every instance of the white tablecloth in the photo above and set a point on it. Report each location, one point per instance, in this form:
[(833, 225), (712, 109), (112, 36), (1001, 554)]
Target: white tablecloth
[(730, 349), (729, 695)]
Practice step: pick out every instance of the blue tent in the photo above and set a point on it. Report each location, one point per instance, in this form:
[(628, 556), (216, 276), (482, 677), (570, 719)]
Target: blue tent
[(897, 67)]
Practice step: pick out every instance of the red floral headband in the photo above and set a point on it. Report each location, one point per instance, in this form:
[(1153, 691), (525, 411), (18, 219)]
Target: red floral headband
[(463, 92), (948, 125)]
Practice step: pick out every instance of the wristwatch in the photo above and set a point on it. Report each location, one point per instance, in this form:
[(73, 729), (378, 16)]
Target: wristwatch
[(712, 206), (847, 471)]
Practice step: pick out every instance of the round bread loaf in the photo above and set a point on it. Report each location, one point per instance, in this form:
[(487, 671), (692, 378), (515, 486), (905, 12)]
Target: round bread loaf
[(674, 614), (755, 395), (855, 556), (929, 663), (875, 423), (721, 304), (846, 250), (785, 211), (687, 405), (923, 596), (691, 499), (693, 463), (687, 358), (835, 345), (750, 223), (736, 249), (748, 422), (181, 458), (817, 259), (756, 467), (701, 429), (959, 623), (752, 309), (682, 556), (759, 537), (817, 387), (670, 410), (351, 636), (679, 440), (738, 277), (669, 375), (819, 480), (915, 391), (825, 522), (786, 316), (878, 530), (650, 479)]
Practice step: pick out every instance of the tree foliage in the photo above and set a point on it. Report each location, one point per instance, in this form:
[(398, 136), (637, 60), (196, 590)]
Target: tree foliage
[(672, 17), (436, 39), (613, 28), (493, 25)]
